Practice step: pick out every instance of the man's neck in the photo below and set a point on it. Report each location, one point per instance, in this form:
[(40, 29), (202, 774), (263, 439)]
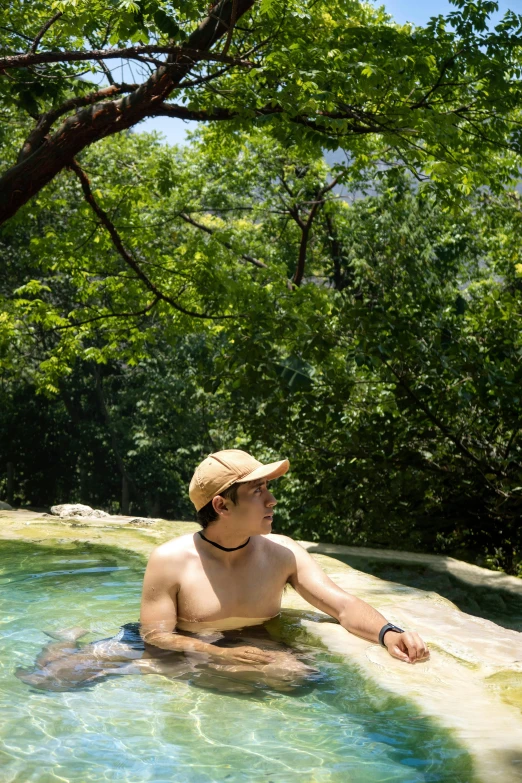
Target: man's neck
[(228, 546), (224, 548)]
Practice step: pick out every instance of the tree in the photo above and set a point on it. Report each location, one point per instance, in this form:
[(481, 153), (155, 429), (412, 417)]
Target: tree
[(444, 100), (396, 393), (389, 376)]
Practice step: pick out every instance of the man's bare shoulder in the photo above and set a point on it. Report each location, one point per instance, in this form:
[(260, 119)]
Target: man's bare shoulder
[(278, 541), (174, 552)]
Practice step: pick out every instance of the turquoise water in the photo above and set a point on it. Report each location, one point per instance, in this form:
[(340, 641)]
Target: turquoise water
[(137, 728)]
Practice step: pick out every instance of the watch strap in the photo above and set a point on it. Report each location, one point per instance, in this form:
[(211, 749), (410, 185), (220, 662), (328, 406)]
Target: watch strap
[(385, 629)]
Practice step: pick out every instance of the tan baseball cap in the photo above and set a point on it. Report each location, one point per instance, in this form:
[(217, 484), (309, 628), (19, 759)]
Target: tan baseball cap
[(223, 468)]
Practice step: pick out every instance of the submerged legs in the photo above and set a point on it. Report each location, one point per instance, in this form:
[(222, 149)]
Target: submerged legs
[(67, 643), (284, 673), (63, 665)]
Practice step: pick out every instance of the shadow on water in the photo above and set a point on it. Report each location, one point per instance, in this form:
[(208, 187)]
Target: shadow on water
[(496, 604), (25, 561), (416, 740)]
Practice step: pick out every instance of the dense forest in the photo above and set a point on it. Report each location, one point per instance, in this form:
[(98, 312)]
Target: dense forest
[(360, 317)]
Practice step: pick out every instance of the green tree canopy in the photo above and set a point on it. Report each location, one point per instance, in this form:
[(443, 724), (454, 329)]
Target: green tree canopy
[(443, 99), (389, 376), (361, 318)]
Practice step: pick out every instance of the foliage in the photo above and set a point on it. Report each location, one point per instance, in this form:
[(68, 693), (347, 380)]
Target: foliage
[(390, 376), (443, 99), (408, 425), (71, 447), (361, 317)]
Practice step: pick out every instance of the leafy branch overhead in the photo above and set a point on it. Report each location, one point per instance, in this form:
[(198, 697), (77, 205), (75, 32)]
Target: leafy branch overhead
[(159, 296), (443, 100)]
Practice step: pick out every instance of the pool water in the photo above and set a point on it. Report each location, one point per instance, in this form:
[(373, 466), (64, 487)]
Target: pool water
[(137, 728)]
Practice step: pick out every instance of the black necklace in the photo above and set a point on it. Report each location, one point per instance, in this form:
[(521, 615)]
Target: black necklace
[(224, 548)]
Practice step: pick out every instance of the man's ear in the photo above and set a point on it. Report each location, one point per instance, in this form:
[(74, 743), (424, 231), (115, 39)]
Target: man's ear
[(219, 504)]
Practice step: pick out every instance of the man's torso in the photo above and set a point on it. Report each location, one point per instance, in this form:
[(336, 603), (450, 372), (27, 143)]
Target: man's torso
[(205, 588)]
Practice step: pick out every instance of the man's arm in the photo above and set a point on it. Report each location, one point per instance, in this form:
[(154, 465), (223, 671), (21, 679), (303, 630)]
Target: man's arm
[(158, 616), (355, 615)]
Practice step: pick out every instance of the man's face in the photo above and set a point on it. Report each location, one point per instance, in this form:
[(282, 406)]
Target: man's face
[(254, 508)]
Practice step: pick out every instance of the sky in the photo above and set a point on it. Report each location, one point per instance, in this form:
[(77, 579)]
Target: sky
[(416, 11)]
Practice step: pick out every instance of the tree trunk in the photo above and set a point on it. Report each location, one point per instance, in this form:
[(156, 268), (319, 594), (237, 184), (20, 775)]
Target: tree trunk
[(507, 560), (156, 506), (124, 496), (10, 483), (126, 480)]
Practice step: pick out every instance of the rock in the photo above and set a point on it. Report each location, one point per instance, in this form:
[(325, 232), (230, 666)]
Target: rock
[(5, 506), (66, 510), (141, 521), (72, 510)]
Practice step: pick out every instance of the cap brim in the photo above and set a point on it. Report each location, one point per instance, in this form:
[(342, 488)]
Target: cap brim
[(271, 471)]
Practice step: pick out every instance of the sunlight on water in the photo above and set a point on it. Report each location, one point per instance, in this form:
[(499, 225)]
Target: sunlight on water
[(138, 728)]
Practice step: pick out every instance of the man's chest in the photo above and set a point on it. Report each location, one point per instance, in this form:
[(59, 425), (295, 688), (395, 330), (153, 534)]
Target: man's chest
[(209, 591)]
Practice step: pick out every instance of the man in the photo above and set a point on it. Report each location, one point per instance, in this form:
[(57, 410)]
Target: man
[(200, 587), (232, 573)]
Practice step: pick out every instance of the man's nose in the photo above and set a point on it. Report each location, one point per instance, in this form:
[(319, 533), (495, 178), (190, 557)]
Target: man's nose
[(272, 501)]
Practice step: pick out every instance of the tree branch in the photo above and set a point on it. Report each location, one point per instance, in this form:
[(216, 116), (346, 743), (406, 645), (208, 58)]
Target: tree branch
[(202, 79), (47, 120), (43, 30), (233, 19), (303, 246), (125, 255), (221, 113), (181, 112), (340, 279), (108, 73), (15, 32), (424, 100), (97, 121), (112, 433), (75, 324), (442, 427), (24, 60), (305, 230)]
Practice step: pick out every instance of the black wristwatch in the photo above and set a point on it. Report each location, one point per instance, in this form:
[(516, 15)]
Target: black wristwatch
[(385, 629)]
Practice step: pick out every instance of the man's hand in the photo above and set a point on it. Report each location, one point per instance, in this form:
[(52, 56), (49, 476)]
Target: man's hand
[(243, 655), (407, 646)]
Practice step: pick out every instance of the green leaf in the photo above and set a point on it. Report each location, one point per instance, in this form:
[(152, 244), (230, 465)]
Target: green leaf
[(166, 24), (295, 374)]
